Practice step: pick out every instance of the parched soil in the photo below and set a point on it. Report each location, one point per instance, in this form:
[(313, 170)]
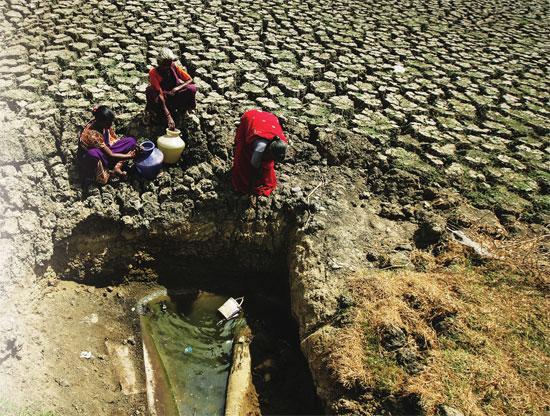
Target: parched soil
[(406, 120), (67, 320)]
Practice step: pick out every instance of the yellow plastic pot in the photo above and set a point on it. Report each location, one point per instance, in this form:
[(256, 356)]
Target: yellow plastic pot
[(171, 145)]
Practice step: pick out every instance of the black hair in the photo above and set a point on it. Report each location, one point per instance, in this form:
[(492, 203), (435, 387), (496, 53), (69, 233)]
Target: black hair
[(103, 114), (278, 149)]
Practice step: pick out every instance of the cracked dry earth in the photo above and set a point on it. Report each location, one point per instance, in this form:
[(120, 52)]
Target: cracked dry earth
[(400, 113)]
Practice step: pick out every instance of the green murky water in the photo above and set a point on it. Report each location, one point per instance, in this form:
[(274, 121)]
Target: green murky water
[(194, 350)]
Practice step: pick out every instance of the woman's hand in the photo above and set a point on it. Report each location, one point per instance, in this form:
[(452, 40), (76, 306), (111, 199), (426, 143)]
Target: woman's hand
[(130, 155), (180, 87), (171, 123)]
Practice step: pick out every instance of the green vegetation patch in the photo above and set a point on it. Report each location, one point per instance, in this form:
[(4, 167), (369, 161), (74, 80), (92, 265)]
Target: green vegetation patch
[(412, 163), (499, 198)]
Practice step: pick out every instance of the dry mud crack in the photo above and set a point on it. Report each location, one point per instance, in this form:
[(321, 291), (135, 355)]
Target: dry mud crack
[(404, 118)]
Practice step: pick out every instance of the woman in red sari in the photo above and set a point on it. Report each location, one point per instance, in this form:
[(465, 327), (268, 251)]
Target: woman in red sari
[(171, 89), (259, 143)]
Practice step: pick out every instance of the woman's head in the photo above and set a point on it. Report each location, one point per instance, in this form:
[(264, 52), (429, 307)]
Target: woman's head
[(104, 116), (277, 149), (165, 57)]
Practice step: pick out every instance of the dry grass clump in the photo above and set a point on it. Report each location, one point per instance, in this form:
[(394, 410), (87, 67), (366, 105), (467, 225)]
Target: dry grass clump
[(477, 343), (527, 257), (349, 370), (524, 258)]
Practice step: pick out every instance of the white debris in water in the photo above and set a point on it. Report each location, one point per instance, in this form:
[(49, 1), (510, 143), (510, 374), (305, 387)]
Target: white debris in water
[(86, 354), (398, 68)]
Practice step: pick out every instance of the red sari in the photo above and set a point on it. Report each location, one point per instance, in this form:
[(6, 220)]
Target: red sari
[(255, 124)]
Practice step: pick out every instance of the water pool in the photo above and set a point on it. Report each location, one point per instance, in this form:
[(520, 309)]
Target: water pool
[(193, 350)]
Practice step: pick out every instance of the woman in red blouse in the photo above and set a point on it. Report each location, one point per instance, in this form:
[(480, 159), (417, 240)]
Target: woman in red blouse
[(171, 89), (259, 143)]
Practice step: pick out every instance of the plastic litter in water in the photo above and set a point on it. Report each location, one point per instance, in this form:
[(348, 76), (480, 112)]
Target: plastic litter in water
[(231, 308), (188, 349)]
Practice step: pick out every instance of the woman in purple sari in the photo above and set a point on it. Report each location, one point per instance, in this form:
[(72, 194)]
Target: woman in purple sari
[(101, 152)]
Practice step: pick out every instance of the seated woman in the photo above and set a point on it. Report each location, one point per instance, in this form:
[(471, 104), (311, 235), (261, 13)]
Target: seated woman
[(101, 153), (171, 89)]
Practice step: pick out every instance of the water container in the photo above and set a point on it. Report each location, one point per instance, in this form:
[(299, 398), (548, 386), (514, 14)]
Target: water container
[(231, 307), (149, 160), (171, 145)]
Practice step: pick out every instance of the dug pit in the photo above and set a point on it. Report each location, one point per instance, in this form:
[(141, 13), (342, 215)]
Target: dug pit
[(215, 257)]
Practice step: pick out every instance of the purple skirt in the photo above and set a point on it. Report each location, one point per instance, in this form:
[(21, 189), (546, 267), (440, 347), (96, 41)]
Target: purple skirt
[(89, 159), (184, 100)]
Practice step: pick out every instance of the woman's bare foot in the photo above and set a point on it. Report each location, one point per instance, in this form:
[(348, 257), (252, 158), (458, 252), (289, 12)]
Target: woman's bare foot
[(119, 172)]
